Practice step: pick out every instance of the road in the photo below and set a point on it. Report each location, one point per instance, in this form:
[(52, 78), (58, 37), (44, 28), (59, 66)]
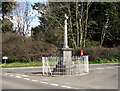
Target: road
[(100, 77), (17, 83)]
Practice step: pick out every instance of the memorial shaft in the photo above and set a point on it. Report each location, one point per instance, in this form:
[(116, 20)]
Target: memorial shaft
[(65, 33)]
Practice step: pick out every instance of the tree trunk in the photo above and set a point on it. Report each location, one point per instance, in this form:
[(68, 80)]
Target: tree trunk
[(77, 26), (74, 43), (102, 37), (86, 24), (80, 22)]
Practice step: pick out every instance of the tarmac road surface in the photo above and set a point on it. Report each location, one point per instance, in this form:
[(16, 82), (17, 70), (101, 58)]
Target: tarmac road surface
[(100, 77)]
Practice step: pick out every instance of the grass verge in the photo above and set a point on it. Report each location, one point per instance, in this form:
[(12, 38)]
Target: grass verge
[(19, 64), (100, 61), (53, 62)]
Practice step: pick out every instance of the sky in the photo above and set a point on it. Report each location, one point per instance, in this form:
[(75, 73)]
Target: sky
[(32, 0), (35, 21)]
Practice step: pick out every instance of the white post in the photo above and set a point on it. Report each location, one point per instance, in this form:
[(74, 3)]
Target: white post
[(43, 65), (46, 59), (86, 64), (65, 33), (5, 61), (48, 66)]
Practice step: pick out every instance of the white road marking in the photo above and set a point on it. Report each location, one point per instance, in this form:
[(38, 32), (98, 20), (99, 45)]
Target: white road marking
[(44, 82), (54, 84), (18, 76), (109, 67), (11, 75), (25, 75), (66, 87), (99, 68), (6, 73), (34, 80), (75, 88), (26, 79), (46, 79), (116, 66)]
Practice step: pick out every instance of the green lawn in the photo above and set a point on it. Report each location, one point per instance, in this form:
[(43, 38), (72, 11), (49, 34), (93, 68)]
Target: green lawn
[(29, 64), (53, 63), (19, 64)]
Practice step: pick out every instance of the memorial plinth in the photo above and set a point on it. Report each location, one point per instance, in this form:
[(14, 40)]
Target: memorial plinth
[(66, 54), (65, 65)]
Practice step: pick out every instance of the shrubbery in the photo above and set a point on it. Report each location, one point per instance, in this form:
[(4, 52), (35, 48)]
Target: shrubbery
[(19, 48), (99, 54), (104, 61)]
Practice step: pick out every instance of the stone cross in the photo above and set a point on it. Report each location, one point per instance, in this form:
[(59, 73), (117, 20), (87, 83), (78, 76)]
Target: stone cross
[(65, 33)]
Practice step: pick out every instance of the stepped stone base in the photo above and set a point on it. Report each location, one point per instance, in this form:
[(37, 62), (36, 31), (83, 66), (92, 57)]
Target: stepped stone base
[(65, 65)]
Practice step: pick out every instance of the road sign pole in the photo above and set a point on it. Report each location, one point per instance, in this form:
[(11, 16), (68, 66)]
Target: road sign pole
[(5, 61)]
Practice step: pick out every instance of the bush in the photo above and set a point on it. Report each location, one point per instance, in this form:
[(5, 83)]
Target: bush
[(7, 25), (118, 56), (22, 49), (100, 53), (11, 59), (100, 61), (91, 43)]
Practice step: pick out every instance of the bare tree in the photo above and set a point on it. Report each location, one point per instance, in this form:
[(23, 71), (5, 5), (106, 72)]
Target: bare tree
[(86, 22), (23, 17), (77, 24)]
